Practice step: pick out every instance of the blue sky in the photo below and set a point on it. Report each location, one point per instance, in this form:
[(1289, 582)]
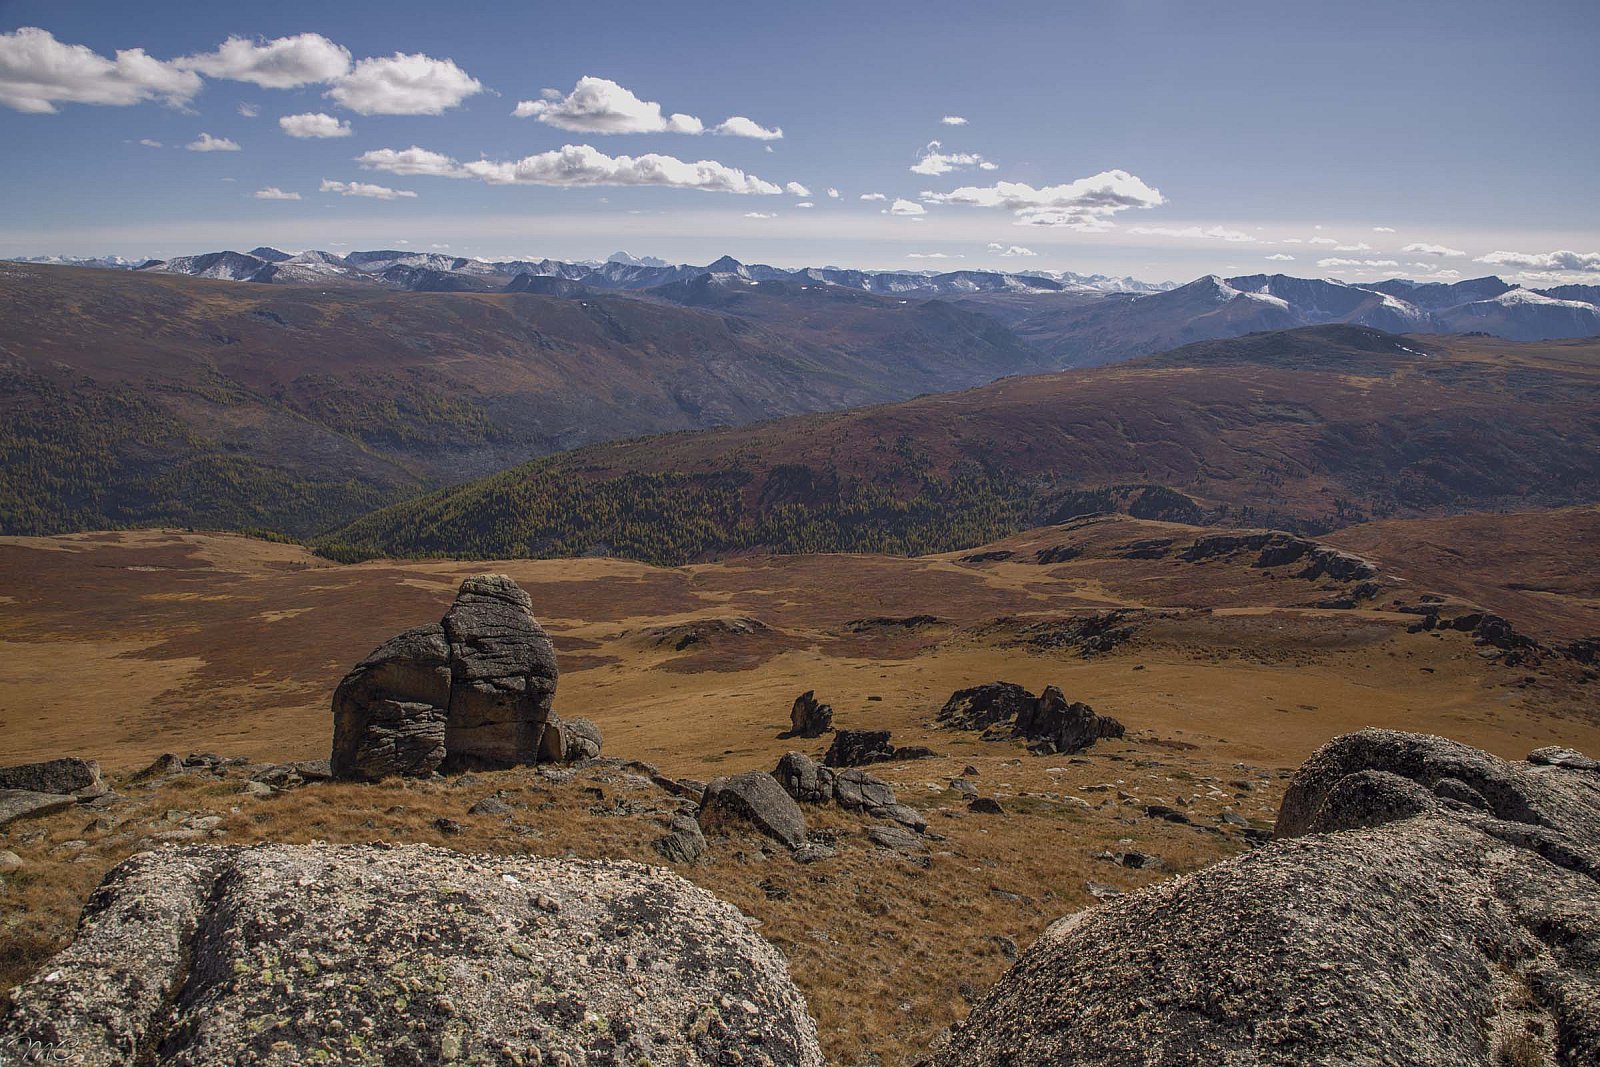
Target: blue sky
[(1158, 138)]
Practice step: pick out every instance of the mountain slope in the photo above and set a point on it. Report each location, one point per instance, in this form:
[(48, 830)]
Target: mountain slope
[(1309, 429), (138, 397)]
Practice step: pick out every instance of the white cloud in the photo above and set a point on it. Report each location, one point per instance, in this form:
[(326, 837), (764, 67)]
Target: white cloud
[(1011, 250), (833, 194), (873, 196), (599, 105), (375, 192), (1292, 241), (1086, 204), (1383, 229), (796, 189), (148, 143), (1563, 260), (207, 143), (1433, 250), (805, 203), (314, 124), (272, 192), (37, 72), (1322, 240), (573, 165), (1357, 264), (1359, 246), (907, 207), (739, 126), (404, 84), (933, 161), (1279, 257), (932, 255), (281, 63), (953, 120), (760, 215), (249, 111), (1213, 233)]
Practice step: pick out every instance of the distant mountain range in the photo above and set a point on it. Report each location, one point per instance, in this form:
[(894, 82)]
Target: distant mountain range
[(1072, 319)]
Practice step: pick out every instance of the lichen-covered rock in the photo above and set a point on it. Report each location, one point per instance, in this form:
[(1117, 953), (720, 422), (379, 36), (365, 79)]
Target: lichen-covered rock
[(581, 740), (1422, 931), (803, 779), (20, 803), (80, 777), (414, 956), (753, 799), (809, 717), (473, 690), (502, 674)]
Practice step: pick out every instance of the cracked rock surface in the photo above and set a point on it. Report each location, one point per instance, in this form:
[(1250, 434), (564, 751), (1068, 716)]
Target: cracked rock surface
[(1426, 904), (414, 955)]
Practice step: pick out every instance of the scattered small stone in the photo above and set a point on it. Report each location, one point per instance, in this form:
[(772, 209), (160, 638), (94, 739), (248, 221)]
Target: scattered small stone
[(490, 805)]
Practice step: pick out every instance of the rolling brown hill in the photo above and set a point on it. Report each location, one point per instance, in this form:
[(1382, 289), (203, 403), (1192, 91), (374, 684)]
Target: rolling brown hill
[(140, 398), (1308, 429)]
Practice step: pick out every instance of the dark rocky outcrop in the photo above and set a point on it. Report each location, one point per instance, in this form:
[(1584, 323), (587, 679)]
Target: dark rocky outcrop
[(985, 705), (1055, 725), (1006, 711), (1426, 904), (753, 799), (857, 748), (79, 777), (473, 690), (408, 956), (1274, 548), (804, 779), (809, 717)]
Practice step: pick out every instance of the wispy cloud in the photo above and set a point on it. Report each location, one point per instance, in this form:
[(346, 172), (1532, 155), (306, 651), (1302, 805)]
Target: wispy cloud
[(1086, 204), (1210, 233), (953, 120), (600, 105), (314, 125), (573, 165), (374, 192), (1011, 250), (934, 161), (1562, 260), (207, 143), (1421, 249), (272, 192)]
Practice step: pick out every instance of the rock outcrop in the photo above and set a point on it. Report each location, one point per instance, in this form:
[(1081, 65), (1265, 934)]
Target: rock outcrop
[(1427, 904), (412, 955), (79, 777), (809, 717), (1049, 722), (473, 690), (857, 748), (1056, 726), (853, 789), (753, 799)]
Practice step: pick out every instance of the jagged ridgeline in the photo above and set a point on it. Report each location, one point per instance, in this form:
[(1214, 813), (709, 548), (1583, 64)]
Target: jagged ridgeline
[(1306, 430)]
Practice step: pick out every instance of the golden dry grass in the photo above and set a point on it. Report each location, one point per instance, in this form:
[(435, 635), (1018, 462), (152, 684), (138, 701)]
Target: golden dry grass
[(120, 646)]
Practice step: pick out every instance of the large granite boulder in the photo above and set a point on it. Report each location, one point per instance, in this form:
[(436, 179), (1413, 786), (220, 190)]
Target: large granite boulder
[(809, 717), (753, 799), (473, 690), (21, 803), (415, 956), (80, 777), (804, 779), (1427, 904)]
